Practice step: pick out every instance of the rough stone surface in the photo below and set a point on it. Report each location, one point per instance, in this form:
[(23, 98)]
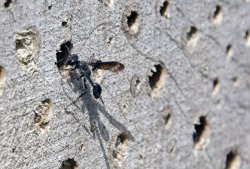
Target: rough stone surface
[(194, 112)]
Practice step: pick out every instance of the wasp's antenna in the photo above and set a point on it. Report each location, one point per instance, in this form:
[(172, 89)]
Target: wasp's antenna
[(57, 63), (68, 50)]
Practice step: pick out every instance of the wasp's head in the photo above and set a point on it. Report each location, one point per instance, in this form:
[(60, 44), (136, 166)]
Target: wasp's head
[(72, 60)]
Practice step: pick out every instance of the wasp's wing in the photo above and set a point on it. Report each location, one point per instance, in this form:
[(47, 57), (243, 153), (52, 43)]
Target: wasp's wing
[(112, 66)]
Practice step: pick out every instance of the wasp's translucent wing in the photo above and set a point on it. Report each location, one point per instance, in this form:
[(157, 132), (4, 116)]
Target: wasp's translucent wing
[(112, 66)]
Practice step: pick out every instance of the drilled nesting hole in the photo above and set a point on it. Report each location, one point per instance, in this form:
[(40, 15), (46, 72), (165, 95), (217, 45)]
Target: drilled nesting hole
[(69, 164), (42, 115), (167, 116), (63, 53), (131, 19), (247, 38), (2, 79), (217, 17), (167, 119), (201, 134), (216, 86), (236, 81), (61, 59), (157, 79), (27, 48), (232, 160), (64, 24), (192, 32), (7, 3), (191, 38), (121, 149), (133, 22), (50, 7), (2, 76), (122, 139), (164, 9), (229, 52)]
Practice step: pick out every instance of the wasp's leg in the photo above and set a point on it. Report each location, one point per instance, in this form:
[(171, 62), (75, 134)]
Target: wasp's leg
[(85, 83), (76, 99)]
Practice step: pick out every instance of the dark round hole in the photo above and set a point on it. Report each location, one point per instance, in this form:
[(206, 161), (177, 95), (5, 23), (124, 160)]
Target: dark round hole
[(2, 75), (216, 86), (235, 79), (62, 55), (64, 24), (155, 77), (167, 119), (69, 164), (192, 31), (199, 129), (164, 9), (215, 82), (247, 38), (50, 7), (247, 34), (229, 47), (7, 3), (131, 19), (217, 11), (232, 160), (122, 139)]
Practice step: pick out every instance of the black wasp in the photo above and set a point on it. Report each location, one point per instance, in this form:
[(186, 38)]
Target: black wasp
[(83, 70)]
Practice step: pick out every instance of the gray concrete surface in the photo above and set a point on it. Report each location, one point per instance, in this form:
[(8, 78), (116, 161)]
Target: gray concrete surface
[(182, 101)]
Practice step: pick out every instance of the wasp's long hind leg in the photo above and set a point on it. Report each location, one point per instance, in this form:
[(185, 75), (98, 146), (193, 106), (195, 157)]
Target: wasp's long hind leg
[(74, 102), (85, 83)]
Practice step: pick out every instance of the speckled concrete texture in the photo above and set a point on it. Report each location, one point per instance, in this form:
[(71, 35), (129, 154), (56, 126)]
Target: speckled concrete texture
[(182, 101)]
